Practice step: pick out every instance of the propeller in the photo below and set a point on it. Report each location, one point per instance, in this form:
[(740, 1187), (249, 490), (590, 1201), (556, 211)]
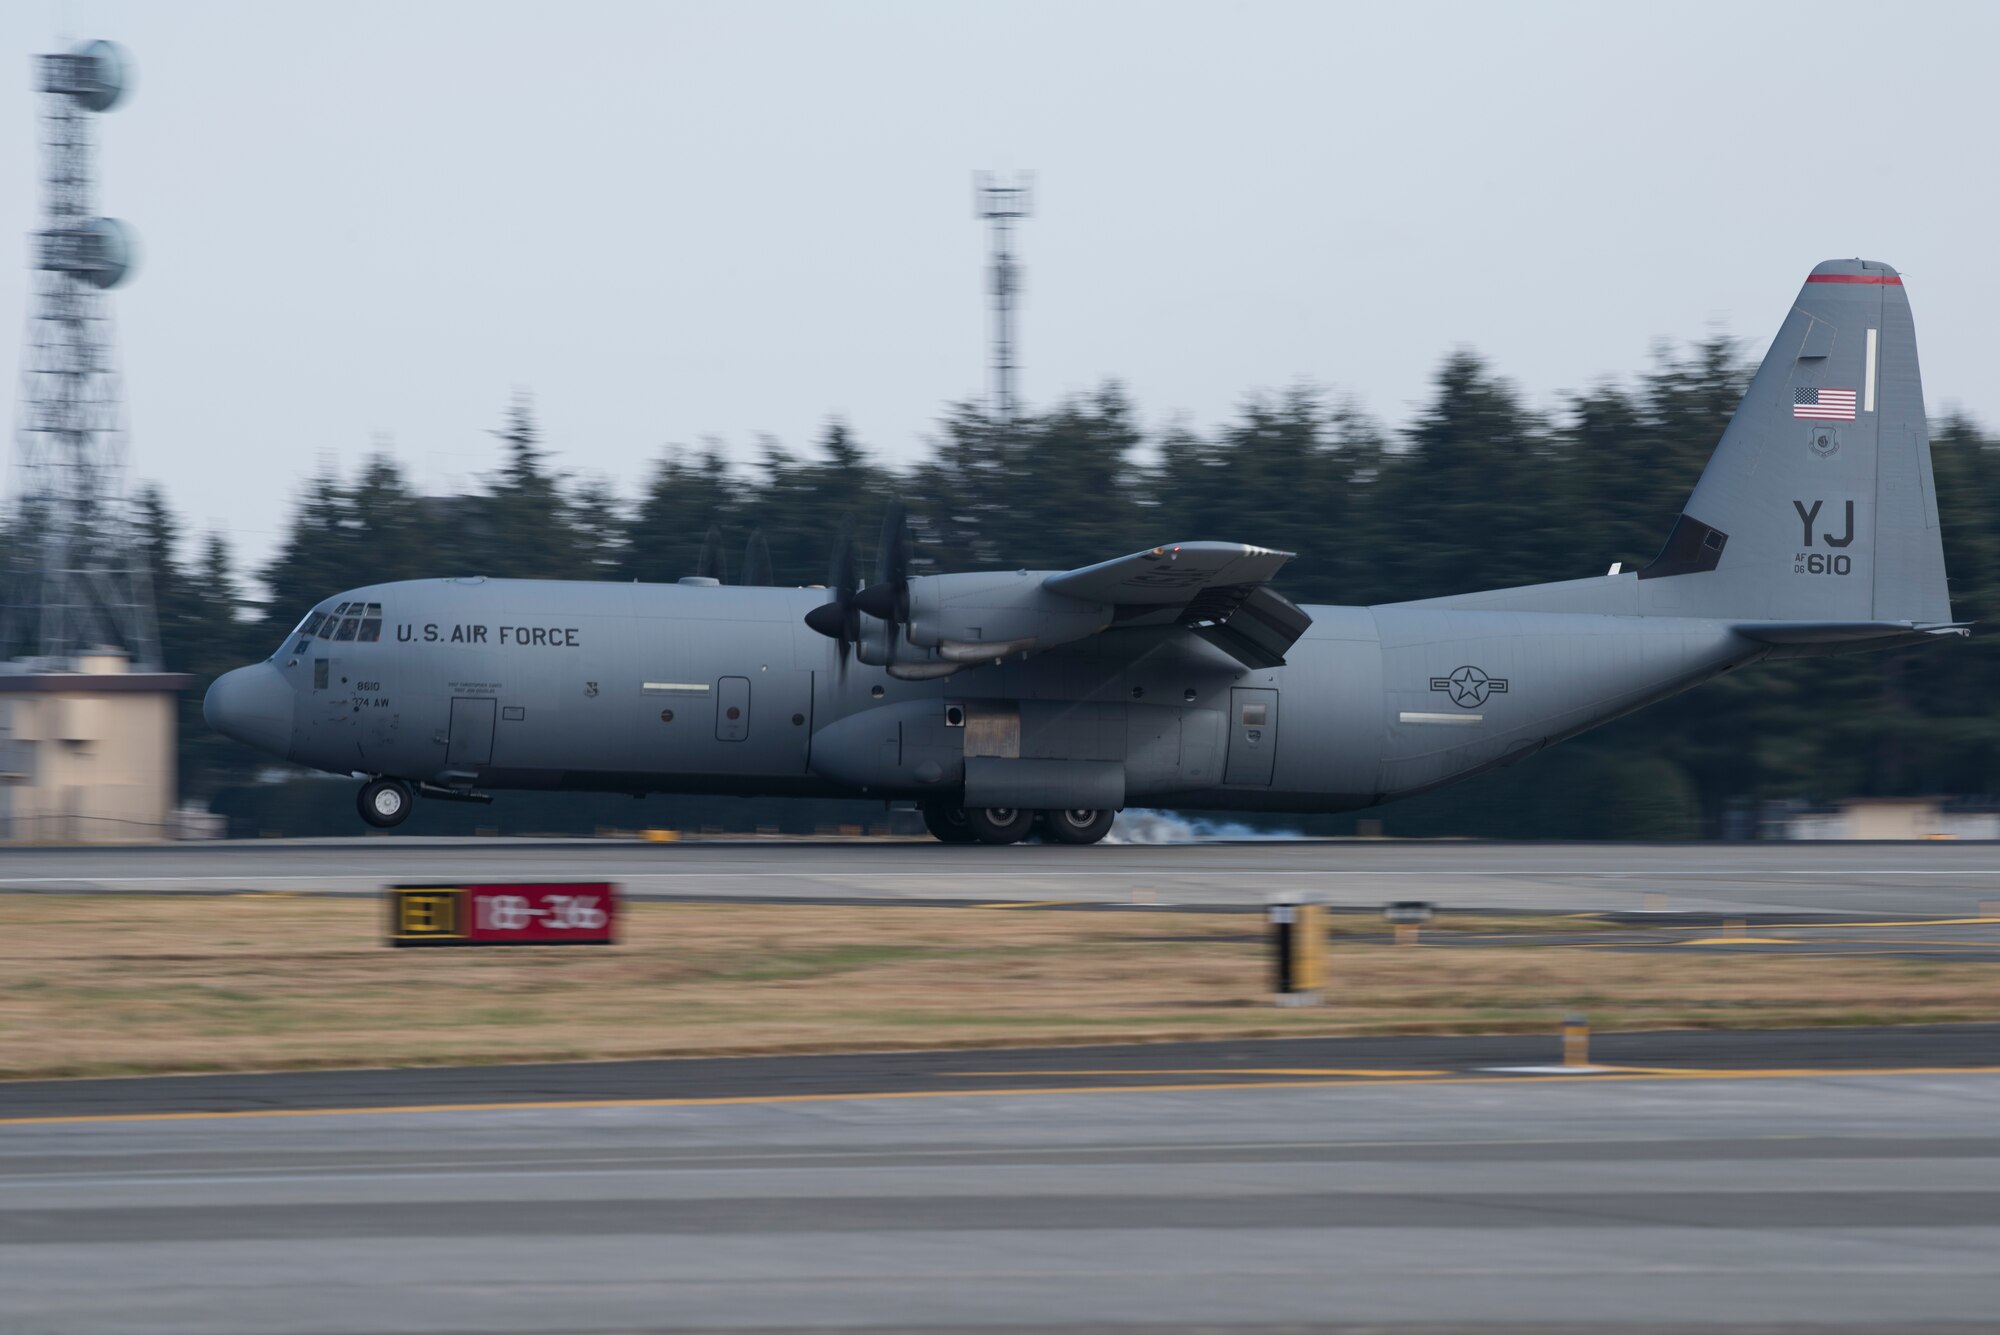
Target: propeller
[(838, 618), (712, 564), (757, 560), (888, 598)]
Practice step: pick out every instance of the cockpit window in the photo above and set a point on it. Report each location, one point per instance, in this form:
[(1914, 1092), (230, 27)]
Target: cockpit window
[(357, 622)]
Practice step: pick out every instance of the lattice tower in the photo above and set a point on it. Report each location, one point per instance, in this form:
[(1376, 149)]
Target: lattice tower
[(80, 579)]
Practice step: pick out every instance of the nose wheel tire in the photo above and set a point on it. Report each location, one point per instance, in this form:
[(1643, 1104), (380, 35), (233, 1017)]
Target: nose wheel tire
[(385, 803), (947, 823), (999, 825), (1077, 827)]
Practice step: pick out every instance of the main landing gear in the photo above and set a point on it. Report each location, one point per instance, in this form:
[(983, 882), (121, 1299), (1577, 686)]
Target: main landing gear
[(1082, 826), (953, 824), (385, 803), (948, 824)]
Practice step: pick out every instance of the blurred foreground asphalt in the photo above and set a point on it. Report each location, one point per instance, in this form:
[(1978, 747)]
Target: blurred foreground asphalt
[(1743, 1199)]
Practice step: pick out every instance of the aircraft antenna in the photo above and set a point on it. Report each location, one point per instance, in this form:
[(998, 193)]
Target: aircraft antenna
[(78, 580), (1001, 202)]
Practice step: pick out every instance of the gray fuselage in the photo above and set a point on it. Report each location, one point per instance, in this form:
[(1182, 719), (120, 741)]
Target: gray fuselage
[(671, 688)]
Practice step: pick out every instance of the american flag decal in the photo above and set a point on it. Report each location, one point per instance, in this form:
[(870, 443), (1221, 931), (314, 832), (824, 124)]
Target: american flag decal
[(1823, 405)]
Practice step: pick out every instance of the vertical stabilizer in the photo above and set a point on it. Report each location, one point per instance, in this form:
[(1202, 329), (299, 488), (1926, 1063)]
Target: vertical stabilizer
[(1818, 505)]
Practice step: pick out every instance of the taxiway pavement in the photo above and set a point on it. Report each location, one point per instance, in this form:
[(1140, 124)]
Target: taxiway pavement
[(1862, 880), (1739, 1200), (980, 1071)]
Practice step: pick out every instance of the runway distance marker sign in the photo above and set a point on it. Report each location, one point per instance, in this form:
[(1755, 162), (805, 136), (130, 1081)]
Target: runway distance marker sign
[(575, 913)]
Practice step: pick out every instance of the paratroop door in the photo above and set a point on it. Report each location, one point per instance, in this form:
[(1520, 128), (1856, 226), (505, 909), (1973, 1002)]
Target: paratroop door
[(1253, 735), (471, 732), (732, 709)]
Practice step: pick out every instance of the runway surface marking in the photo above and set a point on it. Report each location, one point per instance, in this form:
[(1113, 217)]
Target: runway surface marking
[(1556, 1074), (1403, 1073), (1030, 904), (1029, 871), (1904, 922)]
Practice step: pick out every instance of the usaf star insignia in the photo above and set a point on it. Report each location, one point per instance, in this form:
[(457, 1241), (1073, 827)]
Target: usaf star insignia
[(1469, 686)]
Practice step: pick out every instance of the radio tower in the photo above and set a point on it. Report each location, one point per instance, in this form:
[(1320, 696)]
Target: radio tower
[(1002, 203), (79, 582)]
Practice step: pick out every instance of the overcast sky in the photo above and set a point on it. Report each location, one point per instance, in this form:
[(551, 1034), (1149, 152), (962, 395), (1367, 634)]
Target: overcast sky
[(672, 222)]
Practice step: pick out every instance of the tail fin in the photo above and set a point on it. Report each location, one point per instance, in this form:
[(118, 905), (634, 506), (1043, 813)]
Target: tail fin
[(1819, 503)]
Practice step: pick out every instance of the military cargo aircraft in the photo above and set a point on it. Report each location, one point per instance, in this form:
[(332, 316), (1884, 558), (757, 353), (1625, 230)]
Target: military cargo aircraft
[(1003, 702)]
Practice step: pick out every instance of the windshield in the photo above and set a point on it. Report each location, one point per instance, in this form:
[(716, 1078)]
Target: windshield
[(355, 622)]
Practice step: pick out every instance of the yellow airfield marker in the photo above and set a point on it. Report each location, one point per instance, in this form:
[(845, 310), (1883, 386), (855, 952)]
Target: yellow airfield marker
[(1576, 1040)]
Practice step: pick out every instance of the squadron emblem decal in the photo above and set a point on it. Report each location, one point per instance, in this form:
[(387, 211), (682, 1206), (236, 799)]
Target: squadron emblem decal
[(1824, 442), (1469, 686)]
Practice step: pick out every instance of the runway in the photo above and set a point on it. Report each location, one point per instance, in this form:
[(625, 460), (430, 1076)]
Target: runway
[(1739, 1200), (982, 1071), (1860, 880)]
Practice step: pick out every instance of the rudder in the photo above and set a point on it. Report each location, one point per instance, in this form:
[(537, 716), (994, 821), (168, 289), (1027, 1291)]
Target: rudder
[(1818, 503)]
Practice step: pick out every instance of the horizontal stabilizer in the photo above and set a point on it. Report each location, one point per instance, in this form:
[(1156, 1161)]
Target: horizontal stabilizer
[(1861, 634)]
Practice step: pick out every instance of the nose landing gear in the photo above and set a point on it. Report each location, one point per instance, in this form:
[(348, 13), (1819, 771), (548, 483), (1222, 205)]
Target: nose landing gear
[(385, 803)]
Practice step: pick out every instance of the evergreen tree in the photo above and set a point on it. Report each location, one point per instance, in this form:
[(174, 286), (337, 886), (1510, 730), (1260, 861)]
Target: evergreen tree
[(523, 526), (685, 496)]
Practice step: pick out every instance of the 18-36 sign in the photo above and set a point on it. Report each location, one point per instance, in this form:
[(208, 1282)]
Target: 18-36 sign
[(572, 914)]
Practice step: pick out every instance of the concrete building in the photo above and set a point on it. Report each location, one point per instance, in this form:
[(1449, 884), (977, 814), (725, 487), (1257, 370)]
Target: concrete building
[(1895, 818), (87, 754)]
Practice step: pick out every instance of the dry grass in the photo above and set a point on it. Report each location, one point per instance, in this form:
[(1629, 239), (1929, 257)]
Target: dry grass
[(96, 985)]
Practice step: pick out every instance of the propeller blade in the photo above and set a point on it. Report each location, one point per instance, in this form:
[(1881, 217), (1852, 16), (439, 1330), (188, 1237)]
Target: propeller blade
[(888, 598), (757, 560), (841, 575), (892, 554), (882, 601), (836, 618), (712, 565)]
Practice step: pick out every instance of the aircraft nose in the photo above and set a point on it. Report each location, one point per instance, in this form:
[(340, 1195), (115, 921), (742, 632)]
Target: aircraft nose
[(253, 705)]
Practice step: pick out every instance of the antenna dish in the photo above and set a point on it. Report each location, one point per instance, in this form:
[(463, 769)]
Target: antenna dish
[(110, 250), (100, 251), (99, 76)]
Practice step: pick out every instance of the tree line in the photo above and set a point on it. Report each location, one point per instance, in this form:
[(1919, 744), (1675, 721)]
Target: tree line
[(1478, 491)]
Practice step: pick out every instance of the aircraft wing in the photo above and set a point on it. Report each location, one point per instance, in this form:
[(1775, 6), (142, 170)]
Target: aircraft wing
[(1219, 590), (1168, 576)]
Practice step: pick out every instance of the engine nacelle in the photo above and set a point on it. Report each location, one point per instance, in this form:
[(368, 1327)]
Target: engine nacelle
[(978, 616)]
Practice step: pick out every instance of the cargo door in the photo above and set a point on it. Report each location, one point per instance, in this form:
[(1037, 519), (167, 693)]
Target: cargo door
[(1253, 735), (471, 742)]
